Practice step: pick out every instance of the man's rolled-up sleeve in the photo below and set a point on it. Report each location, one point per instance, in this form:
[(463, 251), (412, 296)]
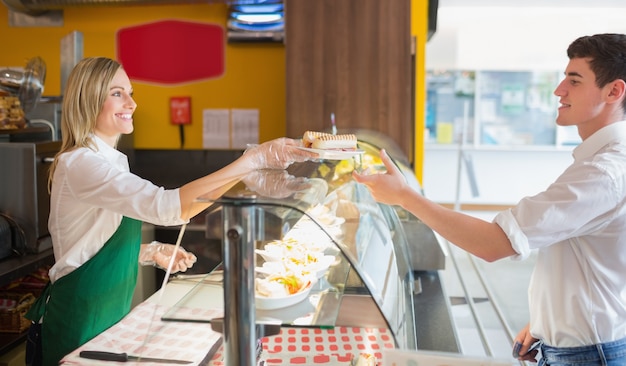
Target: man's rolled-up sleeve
[(518, 239)]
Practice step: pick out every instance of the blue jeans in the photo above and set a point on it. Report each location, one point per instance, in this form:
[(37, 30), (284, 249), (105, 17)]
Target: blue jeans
[(606, 354)]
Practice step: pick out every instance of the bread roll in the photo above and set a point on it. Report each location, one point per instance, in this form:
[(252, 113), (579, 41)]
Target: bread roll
[(327, 141), (330, 142), (310, 136)]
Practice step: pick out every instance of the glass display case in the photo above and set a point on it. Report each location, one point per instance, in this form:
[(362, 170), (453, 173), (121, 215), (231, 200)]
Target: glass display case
[(359, 271)]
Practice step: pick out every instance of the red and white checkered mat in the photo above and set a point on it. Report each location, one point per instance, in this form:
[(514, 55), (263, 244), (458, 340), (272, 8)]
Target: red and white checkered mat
[(312, 346), (143, 333)]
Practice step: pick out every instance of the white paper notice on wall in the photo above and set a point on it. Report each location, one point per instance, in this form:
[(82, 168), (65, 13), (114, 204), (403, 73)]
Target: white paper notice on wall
[(216, 129), (245, 127)]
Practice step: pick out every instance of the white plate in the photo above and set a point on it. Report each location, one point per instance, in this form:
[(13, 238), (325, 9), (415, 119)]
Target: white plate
[(318, 269), (333, 154), (269, 256), (271, 303)]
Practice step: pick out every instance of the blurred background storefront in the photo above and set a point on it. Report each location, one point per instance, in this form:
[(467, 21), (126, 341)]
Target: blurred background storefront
[(491, 69)]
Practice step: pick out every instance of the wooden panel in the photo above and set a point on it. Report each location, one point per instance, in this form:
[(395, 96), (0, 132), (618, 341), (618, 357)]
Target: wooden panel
[(351, 58)]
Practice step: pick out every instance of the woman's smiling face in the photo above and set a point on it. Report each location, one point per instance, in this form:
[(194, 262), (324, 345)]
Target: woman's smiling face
[(116, 116)]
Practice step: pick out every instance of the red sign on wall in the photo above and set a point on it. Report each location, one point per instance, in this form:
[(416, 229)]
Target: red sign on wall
[(180, 110), (171, 51)]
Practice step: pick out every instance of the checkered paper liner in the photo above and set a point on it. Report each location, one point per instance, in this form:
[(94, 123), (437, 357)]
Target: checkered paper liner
[(314, 346), (143, 333)]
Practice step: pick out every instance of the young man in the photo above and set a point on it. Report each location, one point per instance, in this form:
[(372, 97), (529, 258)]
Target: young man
[(577, 292)]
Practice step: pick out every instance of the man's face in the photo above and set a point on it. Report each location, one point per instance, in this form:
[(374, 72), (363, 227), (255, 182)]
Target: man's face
[(581, 99)]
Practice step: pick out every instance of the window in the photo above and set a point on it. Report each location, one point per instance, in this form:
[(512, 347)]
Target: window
[(502, 108)]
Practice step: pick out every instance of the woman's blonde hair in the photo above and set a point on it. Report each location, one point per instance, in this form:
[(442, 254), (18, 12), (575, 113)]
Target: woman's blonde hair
[(87, 89)]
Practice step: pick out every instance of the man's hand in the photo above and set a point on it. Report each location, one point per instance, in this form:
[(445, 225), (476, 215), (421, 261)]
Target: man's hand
[(389, 187), (525, 345)]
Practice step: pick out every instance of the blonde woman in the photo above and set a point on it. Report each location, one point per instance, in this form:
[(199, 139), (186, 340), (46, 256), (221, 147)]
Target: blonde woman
[(97, 207)]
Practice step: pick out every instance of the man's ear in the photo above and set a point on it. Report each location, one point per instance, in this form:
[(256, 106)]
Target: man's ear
[(617, 90)]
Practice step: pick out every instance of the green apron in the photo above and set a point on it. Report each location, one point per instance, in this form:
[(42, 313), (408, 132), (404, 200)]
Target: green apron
[(92, 298)]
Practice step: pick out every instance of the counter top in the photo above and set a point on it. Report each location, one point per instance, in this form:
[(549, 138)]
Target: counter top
[(434, 323), (143, 332)]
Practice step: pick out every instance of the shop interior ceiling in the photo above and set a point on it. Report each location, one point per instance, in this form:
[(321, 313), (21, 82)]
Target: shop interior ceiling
[(35, 7), (38, 7)]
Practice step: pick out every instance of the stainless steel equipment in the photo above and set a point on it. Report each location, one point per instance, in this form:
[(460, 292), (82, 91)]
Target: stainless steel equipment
[(24, 189), (27, 85), (47, 112)]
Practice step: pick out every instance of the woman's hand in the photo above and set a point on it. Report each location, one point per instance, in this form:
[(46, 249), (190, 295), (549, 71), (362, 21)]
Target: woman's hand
[(277, 154), (386, 187), (275, 183), (159, 255)]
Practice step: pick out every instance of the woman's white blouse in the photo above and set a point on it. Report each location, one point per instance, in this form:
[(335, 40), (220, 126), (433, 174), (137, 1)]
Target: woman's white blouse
[(92, 190)]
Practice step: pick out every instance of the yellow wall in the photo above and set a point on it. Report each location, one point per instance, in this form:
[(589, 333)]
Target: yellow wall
[(419, 29), (254, 74)]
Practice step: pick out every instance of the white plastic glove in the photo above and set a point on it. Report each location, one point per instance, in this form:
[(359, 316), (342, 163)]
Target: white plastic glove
[(275, 183), (278, 154), (159, 254)]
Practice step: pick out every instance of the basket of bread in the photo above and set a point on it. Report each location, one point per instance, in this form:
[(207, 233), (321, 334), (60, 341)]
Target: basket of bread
[(13, 308), (11, 113)]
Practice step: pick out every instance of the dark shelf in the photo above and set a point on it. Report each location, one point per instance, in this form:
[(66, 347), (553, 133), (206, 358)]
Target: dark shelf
[(8, 341), (16, 267), (11, 269), (28, 129)]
